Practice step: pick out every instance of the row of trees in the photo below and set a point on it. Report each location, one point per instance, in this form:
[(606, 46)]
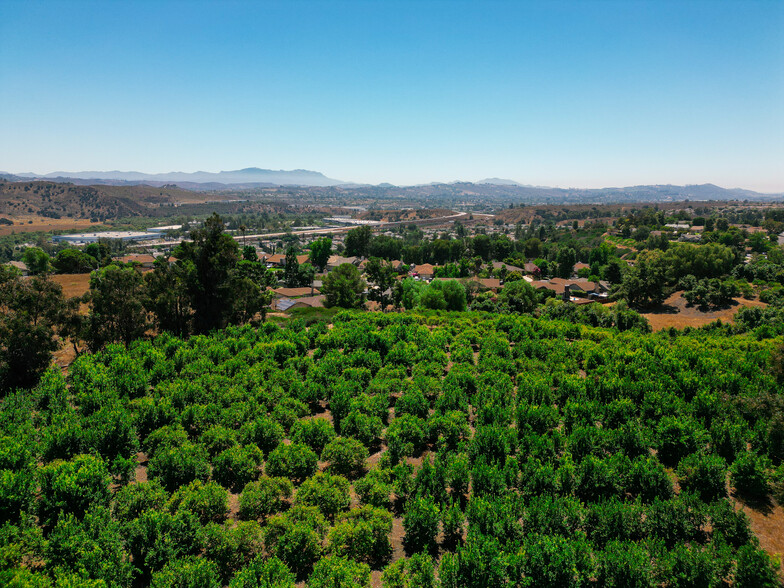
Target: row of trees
[(508, 449)]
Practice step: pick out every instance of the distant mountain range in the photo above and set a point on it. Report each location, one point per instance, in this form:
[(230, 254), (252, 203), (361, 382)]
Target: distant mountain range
[(254, 177), (248, 176)]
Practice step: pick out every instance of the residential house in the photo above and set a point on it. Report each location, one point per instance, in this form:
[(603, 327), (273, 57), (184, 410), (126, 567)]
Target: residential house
[(425, 271), (532, 268), (142, 259), (276, 260), (497, 265), (295, 292), (288, 304), (21, 266), (336, 261)]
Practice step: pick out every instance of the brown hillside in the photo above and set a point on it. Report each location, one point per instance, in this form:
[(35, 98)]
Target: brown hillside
[(57, 200)]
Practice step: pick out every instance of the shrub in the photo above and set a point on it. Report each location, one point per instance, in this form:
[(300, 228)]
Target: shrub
[(217, 439), (362, 534), (315, 433), (732, 525), (180, 465), (414, 403), (156, 538), (208, 501), (237, 466), (165, 437), (755, 570), (93, 547), (231, 545), (415, 572), (130, 501), (346, 456), (264, 573), (748, 476), (330, 494), (677, 437), (264, 497), (704, 474), (625, 564), (691, 566), (555, 562), (453, 522), (295, 537), (191, 572), (295, 461), (405, 436), (374, 489), (420, 523), (362, 427), (72, 487), (264, 432), (332, 571)]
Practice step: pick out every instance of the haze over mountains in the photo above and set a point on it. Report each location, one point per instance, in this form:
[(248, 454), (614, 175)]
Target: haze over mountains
[(254, 177), (250, 175)]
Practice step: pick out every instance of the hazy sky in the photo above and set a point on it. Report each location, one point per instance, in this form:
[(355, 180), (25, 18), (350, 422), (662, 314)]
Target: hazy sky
[(584, 94)]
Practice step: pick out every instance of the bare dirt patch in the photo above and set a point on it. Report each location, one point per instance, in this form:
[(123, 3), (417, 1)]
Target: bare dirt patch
[(768, 526), (675, 312)]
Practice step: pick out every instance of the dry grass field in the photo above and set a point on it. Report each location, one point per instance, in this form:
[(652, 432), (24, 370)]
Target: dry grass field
[(676, 313), (73, 284), (42, 223)]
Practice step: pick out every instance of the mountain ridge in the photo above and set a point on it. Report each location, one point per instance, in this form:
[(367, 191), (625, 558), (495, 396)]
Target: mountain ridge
[(248, 175)]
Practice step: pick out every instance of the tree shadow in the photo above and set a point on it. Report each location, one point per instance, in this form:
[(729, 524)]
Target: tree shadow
[(761, 504)]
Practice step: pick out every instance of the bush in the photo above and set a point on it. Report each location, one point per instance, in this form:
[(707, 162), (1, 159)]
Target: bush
[(296, 537), (209, 502), (346, 456), (677, 437), (217, 439), (264, 432), (155, 538), (72, 487), (453, 522), (362, 427), (625, 564), (374, 489), (421, 522), (264, 573), (555, 562), (704, 474), (691, 566), (295, 461), (330, 494), (362, 534), (749, 478), (237, 466), (264, 497), (315, 433), (191, 572), (132, 500), (416, 572), (93, 547), (755, 569), (732, 525), (231, 545), (180, 465), (333, 572)]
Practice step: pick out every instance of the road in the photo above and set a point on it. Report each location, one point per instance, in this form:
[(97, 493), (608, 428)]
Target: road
[(332, 230), (381, 226)]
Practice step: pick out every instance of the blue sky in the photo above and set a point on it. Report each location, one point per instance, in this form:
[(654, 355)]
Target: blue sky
[(584, 94)]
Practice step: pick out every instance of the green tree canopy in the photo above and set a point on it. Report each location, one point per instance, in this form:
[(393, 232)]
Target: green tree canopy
[(344, 287)]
